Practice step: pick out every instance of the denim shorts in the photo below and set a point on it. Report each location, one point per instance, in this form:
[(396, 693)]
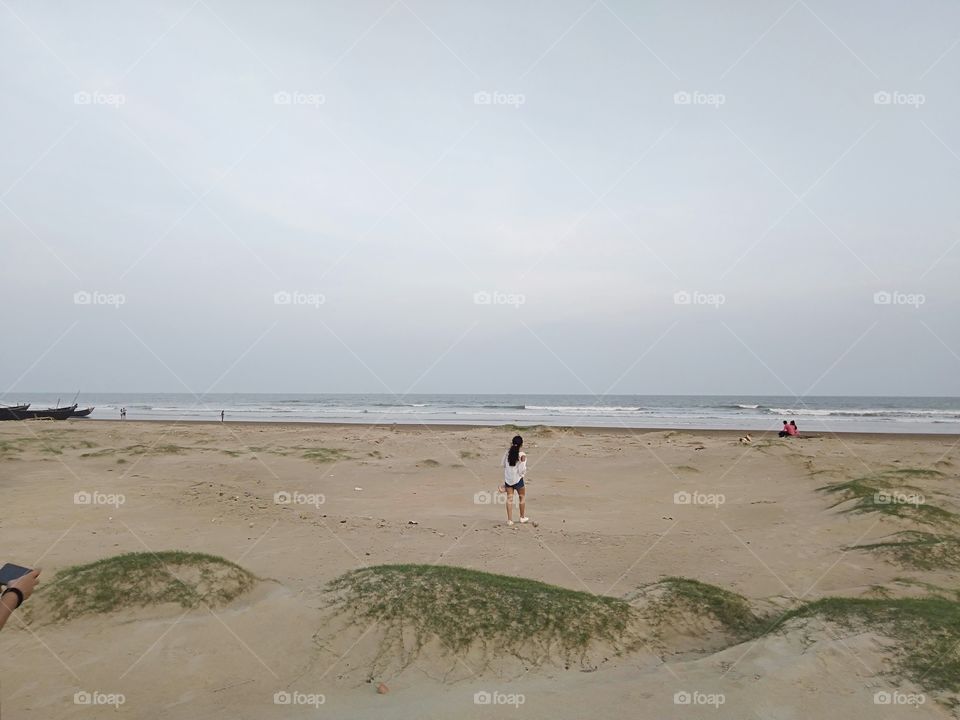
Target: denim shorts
[(518, 486)]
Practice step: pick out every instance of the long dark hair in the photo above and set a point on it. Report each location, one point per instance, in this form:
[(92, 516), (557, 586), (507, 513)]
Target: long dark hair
[(513, 454)]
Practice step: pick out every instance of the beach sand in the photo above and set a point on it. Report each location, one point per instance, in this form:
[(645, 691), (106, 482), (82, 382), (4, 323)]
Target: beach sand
[(608, 522)]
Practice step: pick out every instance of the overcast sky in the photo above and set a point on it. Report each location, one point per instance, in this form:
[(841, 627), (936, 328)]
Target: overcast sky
[(583, 197)]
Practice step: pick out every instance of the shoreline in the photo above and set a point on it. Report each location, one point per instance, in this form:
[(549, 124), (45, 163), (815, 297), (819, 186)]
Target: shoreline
[(718, 433)]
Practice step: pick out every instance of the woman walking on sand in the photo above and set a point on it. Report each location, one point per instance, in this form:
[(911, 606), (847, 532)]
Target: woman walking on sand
[(514, 468)]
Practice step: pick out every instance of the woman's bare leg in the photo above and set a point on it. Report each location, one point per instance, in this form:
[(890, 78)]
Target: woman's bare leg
[(522, 492), (510, 504)]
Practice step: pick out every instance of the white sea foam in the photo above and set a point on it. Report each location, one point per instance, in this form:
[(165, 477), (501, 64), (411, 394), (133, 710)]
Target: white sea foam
[(816, 414)]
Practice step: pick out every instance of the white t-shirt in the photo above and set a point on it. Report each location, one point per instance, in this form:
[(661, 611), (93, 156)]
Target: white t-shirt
[(513, 474)]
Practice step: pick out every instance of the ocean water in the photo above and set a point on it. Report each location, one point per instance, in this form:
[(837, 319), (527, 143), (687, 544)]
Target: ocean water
[(862, 414)]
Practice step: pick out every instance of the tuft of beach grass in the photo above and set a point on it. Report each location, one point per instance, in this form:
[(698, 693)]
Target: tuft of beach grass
[(926, 630), (142, 579), (919, 549), (415, 604), (885, 492)]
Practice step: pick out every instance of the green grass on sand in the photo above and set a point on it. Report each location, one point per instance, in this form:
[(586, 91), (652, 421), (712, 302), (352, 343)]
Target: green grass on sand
[(142, 579), (460, 607), (415, 604)]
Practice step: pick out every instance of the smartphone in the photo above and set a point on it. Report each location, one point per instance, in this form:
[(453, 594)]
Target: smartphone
[(10, 572)]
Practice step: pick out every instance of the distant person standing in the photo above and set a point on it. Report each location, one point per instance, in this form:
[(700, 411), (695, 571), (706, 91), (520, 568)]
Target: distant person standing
[(514, 468), (221, 415), (123, 413)]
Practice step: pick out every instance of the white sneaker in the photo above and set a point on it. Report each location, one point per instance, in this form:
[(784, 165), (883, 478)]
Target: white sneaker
[(510, 522), (524, 519)]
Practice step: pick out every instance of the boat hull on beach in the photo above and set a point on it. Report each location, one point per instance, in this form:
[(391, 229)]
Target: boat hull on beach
[(23, 412), (11, 412)]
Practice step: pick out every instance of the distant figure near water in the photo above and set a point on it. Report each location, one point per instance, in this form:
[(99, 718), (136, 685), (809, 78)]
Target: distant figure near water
[(221, 415), (789, 429), (123, 413)]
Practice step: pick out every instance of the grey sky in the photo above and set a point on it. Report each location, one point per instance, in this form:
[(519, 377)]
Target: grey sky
[(148, 155)]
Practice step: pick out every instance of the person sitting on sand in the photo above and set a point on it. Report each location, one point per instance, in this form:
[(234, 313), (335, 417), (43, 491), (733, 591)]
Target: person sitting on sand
[(789, 429), (514, 468), (16, 593)]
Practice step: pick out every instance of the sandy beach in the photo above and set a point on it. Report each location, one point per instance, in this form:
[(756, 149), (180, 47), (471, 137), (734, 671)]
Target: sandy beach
[(616, 512)]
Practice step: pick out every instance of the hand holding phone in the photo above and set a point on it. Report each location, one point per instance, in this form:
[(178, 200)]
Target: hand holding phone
[(11, 572)]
